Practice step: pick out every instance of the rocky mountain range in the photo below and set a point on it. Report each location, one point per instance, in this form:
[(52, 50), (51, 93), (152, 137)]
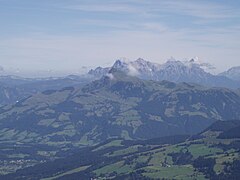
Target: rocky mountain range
[(173, 70)]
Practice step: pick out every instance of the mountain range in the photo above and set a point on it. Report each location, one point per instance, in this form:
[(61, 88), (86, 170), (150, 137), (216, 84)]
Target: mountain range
[(175, 71), (191, 71)]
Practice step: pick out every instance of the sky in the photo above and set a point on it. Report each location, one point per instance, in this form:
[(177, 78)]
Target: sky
[(62, 35)]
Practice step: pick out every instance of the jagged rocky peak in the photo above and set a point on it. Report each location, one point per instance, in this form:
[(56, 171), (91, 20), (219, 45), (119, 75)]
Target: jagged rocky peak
[(99, 71), (141, 61), (124, 62), (120, 63), (139, 67), (194, 60), (172, 64), (172, 59), (191, 60), (197, 62)]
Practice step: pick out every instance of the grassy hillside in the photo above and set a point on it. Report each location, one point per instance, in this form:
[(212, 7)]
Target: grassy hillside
[(205, 156)]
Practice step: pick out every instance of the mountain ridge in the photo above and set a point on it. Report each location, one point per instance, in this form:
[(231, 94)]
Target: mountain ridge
[(173, 70), (124, 104)]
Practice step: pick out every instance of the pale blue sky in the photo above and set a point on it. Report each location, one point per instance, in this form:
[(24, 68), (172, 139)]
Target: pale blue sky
[(65, 35)]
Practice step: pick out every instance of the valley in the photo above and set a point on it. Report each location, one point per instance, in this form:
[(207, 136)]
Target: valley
[(210, 154)]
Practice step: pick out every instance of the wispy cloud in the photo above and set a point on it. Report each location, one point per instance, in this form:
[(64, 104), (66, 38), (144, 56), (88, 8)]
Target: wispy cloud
[(110, 7), (200, 9), (56, 52), (159, 15)]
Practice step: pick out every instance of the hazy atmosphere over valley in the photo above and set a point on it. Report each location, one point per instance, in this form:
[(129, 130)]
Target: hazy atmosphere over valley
[(119, 89)]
